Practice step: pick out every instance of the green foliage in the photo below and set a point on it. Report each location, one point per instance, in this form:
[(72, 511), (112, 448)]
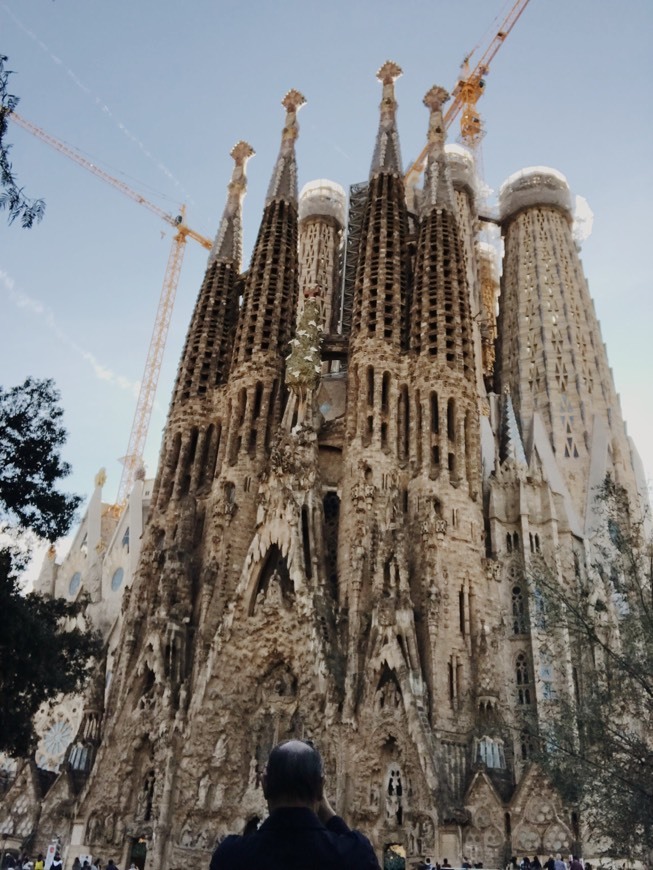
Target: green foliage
[(13, 197), (45, 648), (44, 652), (31, 436), (597, 742)]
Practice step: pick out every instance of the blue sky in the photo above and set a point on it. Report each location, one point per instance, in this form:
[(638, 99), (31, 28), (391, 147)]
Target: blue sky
[(157, 92)]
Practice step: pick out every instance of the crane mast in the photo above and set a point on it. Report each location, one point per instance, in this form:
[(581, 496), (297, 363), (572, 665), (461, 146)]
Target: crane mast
[(468, 90), (133, 459)]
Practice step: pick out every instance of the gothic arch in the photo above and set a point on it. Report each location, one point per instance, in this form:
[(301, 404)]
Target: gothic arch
[(273, 568)]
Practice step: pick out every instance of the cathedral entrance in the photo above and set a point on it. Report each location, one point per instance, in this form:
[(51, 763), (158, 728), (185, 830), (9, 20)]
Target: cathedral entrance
[(394, 857), (138, 852)]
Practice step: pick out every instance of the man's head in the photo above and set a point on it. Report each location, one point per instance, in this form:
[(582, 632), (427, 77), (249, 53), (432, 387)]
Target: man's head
[(294, 776)]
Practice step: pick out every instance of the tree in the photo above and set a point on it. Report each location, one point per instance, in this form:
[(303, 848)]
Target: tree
[(12, 197), (45, 648), (597, 743)]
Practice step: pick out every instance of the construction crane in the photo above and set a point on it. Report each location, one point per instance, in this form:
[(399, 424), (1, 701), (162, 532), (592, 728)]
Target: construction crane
[(468, 90), (132, 461)]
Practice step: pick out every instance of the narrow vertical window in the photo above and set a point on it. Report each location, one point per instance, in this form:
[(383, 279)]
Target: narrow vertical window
[(306, 541), (451, 420), (522, 676), (461, 611), (519, 622), (370, 386)]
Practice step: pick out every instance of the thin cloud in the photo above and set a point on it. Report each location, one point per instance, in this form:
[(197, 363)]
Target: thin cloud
[(38, 309), (102, 106)]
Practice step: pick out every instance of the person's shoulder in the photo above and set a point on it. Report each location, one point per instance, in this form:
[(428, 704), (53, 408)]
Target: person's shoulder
[(231, 845), (354, 847)]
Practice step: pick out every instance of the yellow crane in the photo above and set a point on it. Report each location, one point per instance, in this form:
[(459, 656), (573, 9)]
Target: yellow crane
[(468, 90), (133, 459)]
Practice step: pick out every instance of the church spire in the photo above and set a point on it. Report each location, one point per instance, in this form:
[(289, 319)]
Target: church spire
[(387, 153), (267, 314), (205, 361), (229, 238), (511, 448), (438, 189), (283, 184), (441, 323)]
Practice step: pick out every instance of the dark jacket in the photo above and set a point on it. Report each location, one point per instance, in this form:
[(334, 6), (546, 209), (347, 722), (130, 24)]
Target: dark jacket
[(293, 838)]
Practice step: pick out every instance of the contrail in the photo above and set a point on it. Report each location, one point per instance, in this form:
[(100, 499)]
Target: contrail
[(101, 372), (103, 107)]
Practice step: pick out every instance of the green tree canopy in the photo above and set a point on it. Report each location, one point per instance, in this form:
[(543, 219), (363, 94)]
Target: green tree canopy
[(12, 197), (45, 648), (597, 741)]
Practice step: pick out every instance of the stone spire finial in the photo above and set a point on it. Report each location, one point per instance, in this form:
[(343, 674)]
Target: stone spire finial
[(228, 240), (387, 153), (511, 449), (283, 184), (438, 190)]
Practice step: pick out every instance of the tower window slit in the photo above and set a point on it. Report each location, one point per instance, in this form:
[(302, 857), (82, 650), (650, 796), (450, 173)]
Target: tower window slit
[(435, 417), (461, 611), (370, 385), (306, 542)]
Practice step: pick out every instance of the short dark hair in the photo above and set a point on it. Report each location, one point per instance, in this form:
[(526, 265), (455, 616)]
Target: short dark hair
[(294, 770)]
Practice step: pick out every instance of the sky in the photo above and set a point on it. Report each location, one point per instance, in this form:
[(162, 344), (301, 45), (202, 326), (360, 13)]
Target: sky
[(157, 92)]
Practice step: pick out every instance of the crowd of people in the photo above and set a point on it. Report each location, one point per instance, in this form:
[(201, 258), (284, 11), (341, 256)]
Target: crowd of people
[(558, 863), (25, 862)]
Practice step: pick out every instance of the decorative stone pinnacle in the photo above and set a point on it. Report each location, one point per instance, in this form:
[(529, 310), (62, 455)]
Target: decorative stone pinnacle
[(435, 98), (228, 242), (293, 101), (438, 190), (389, 72), (241, 152), (284, 176), (387, 156)]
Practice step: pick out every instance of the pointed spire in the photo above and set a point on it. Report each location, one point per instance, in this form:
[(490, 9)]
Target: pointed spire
[(283, 184), (511, 448), (229, 238), (438, 189), (387, 153)]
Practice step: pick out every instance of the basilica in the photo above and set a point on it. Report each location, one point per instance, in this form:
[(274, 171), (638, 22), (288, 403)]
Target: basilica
[(372, 443)]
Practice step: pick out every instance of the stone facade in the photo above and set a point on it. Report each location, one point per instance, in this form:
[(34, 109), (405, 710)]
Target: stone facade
[(354, 485)]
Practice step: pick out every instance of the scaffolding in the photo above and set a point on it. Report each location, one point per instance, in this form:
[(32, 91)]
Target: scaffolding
[(357, 201)]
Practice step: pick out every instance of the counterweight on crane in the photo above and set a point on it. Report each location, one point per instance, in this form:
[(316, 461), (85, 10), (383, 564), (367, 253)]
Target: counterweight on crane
[(468, 90), (133, 459)]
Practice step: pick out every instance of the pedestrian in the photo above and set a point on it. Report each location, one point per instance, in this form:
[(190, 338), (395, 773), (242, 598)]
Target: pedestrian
[(575, 863), (57, 863), (302, 828), (39, 864), (559, 864), (535, 863), (111, 865)]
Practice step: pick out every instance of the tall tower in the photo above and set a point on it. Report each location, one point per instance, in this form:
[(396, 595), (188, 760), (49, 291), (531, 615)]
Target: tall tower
[(550, 351)]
